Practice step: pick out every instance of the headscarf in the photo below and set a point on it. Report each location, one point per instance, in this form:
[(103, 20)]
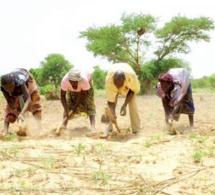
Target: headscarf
[(74, 75), (165, 77), (7, 79)]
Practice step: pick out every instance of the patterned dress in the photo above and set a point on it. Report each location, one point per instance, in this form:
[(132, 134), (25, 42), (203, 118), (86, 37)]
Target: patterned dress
[(86, 84), (182, 92), (22, 76)]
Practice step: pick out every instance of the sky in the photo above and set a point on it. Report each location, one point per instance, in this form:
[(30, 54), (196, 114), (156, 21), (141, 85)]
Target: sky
[(30, 30)]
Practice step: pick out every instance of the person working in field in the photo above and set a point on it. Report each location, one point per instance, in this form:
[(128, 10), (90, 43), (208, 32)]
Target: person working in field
[(174, 88), (77, 95), (22, 94), (121, 79)]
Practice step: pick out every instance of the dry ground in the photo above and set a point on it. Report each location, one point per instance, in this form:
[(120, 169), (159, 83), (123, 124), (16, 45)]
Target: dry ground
[(150, 163)]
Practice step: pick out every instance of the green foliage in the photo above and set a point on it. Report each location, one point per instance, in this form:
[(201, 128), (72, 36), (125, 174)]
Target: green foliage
[(203, 91), (121, 42), (48, 163), (37, 74), (101, 176), (130, 42), (98, 76), (197, 156), (175, 35), (201, 83), (54, 67), (52, 94), (79, 148), (10, 137), (44, 89), (212, 80), (148, 144), (205, 82)]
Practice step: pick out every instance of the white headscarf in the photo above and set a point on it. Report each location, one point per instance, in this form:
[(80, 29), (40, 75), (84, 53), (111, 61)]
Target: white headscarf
[(74, 75)]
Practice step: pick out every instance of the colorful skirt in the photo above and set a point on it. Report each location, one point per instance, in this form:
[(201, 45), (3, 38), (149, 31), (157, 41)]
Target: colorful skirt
[(34, 107), (87, 106), (187, 105)]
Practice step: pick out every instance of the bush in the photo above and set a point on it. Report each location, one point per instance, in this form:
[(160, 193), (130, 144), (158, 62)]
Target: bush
[(52, 95), (44, 89)]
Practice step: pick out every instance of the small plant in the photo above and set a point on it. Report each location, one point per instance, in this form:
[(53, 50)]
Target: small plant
[(154, 161), (52, 94), (10, 137), (193, 135), (18, 172), (127, 130), (22, 184), (27, 187), (139, 157), (197, 156), (78, 149), (101, 154), (100, 149), (9, 151), (138, 186), (31, 172), (123, 169), (205, 180), (48, 163), (156, 137), (148, 144), (101, 176)]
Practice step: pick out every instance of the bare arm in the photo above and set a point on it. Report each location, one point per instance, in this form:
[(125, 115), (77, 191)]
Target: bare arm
[(26, 94), (63, 101), (175, 108), (127, 100), (80, 99), (173, 111)]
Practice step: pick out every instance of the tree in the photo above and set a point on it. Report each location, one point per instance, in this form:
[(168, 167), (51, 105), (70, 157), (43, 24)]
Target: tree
[(121, 43), (132, 40), (212, 81), (201, 83), (175, 36), (98, 76), (54, 68), (37, 73)]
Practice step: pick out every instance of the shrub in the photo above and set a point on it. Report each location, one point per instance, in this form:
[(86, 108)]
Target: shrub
[(52, 94), (44, 89)]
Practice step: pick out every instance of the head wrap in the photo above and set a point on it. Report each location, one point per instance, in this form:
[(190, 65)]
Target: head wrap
[(7, 79), (74, 75), (165, 77)]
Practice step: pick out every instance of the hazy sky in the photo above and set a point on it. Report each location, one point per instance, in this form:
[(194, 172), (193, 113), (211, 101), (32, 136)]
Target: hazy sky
[(30, 30)]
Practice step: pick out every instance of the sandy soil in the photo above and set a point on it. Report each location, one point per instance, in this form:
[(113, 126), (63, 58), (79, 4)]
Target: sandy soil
[(149, 163)]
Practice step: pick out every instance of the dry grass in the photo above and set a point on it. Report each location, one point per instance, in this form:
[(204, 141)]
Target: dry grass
[(150, 163)]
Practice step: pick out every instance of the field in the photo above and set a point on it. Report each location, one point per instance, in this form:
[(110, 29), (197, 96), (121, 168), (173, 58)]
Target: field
[(151, 162)]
